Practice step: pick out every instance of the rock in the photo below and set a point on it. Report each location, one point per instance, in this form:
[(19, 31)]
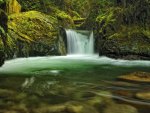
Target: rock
[(12, 6), (99, 102), (121, 83), (4, 93), (2, 57), (143, 77), (118, 30), (125, 93), (20, 96), (34, 34), (69, 107), (120, 108), (3, 31), (8, 111), (143, 95), (50, 109), (77, 107), (21, 108)]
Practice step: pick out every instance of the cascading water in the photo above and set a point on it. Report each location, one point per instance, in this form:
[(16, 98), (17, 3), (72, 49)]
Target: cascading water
[(80, 42)]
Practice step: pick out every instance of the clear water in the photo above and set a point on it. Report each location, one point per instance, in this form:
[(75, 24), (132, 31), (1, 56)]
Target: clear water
[(49, 81)]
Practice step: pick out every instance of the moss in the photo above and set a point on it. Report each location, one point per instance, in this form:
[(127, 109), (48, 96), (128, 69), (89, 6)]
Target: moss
[(64, 19), (12, 6), (31, 25), (124, 30), (32, 33), (63, 15)]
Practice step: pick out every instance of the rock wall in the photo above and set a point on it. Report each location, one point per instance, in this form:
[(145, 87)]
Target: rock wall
[(33, 34), (3, 31), (121, 29)]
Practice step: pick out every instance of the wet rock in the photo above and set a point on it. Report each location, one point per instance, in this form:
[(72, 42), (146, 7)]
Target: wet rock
[(143, 95), (2, 57), (121, 83), (143, 77), (21, 108), (95, 101), (20, 97), (4, 93), (83, 95), (31, 101), (69, 107), (99, 102), (125, 93), (77, 107), (8, 111), (3, 30), (50, 109), (118, 33), (120, 108)]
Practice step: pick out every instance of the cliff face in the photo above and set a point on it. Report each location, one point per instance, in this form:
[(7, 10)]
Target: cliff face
[(122, 29), (6, 7), (3, 33)]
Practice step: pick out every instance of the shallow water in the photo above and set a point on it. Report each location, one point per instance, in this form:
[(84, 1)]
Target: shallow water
[(37, 81)]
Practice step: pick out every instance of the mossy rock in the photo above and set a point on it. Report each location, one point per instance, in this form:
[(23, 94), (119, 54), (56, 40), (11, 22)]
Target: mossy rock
[(33, 33), (2, 56), (3, 30), (124, 33)]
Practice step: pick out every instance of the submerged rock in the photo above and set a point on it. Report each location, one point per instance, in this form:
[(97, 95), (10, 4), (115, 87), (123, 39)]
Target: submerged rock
[(69, 107), (9, 111), (77, 107), (120, 108), (21, 108), (143, 77), (143, 95), (4, 93)]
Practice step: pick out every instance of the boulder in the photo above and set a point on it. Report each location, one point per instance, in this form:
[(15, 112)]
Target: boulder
[(69, 107), (143, 95), (120, 108), (34, 34), (143, 77), (4, 93)]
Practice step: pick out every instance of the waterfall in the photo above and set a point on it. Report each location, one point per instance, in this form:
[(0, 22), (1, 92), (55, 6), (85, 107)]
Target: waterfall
[(80, 42)]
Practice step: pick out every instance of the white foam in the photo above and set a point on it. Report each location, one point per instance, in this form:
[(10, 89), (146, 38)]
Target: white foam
[(54, 63)]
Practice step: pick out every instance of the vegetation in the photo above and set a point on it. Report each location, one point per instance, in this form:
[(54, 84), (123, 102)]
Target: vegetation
[(121, 27)]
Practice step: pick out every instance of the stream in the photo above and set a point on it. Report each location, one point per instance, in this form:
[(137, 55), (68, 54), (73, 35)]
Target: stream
[(39, 84)]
